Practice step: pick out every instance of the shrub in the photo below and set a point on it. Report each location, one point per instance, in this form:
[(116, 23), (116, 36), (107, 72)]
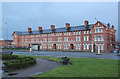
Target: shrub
[(20, 62), (9, 57)]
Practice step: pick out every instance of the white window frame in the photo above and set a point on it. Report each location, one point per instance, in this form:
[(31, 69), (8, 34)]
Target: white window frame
[(76, 46), (79, 38), (84, 38), (76, 38)]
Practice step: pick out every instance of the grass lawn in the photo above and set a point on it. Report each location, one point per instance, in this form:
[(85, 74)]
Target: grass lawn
[(82, 67)]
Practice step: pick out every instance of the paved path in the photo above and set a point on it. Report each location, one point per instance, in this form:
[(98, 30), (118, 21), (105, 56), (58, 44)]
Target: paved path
[(71, 54), (40, 67)]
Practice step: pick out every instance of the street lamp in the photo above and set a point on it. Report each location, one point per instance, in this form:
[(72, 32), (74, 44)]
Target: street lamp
[(7, 30)]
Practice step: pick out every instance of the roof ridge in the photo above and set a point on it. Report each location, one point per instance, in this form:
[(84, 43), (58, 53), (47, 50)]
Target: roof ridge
[(56, 28)]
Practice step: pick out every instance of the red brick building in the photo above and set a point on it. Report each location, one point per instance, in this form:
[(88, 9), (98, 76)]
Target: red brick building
[(6, 43), (87, 37)]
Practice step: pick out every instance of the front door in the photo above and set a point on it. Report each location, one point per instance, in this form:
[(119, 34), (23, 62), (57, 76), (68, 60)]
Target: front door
[(55, 46), (72, 47), (93, 47), (38, 47)]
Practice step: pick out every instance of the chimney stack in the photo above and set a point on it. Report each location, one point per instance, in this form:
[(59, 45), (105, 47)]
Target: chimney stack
[(39, 29), (86, 23), (67, 25), (29, 30), (52, 27), (113, 27), (108, 25)]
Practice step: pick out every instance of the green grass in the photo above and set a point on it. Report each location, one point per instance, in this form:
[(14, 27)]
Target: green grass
[(82, 67)]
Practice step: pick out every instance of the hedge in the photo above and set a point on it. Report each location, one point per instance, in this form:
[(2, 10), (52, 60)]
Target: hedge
[(20, 62), (9, 57)]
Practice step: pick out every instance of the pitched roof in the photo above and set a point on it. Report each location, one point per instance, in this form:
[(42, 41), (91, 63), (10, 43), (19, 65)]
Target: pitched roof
[(73, 28), (8, 40)]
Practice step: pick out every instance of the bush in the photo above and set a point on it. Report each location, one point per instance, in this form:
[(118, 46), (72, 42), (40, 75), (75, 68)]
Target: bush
[(20, 62), (9, 57)]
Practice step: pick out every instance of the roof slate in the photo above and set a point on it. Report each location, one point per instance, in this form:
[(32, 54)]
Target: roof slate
[(73, 28)]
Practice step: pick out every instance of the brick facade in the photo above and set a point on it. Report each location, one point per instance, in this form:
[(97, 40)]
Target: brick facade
[(6, 43), (99, 36)]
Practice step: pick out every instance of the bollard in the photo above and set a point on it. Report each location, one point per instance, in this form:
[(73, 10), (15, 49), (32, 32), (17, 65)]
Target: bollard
[(98, 51), (30, 49)]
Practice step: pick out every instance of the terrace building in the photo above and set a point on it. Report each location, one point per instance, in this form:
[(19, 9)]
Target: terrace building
[(6, 43), (87, 37)]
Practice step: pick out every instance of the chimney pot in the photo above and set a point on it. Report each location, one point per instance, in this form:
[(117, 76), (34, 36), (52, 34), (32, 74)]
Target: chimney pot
[(108, 25), (39, 29), (86, 23), (113, 27), (67, 25), (29, 30), (52, 27)]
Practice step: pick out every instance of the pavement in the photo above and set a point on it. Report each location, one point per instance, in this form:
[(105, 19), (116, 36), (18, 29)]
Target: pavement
[(70, 54), (40, 67)]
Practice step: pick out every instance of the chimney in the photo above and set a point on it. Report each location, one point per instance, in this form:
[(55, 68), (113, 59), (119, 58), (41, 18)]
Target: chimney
[(86, 23), (39, 29), (67, 26), (29, 30), (108, 25), (113, 27), (52, 27)]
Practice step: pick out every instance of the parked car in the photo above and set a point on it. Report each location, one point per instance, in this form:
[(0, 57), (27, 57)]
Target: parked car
[(116, 50)]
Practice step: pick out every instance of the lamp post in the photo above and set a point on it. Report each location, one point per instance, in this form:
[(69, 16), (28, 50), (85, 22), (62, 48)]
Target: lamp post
[(7, 30)]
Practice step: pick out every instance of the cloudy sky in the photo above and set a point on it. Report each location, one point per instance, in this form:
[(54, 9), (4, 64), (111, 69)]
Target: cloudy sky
[(18, 16)]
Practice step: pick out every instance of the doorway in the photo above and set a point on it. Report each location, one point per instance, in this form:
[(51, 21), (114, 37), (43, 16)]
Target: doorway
[(55, 46), (72, 46), (93, 47), (38, 47)]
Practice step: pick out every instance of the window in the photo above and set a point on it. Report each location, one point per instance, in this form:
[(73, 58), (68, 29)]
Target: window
[(67, 38), (76, 38), (79, 46), (101, 29), (84, 46), (90, 31), (102, 38), (98, 47), (74, 33), (84, 38), (69, 33), (87, 38), (64, 46), (87, 46), (76, 46), (67, 46), (84, 32), (79, 38), (95, 37), (64, 34), (98, 38), (87, 32), (102, 47), (96, 30), (61, 46)]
